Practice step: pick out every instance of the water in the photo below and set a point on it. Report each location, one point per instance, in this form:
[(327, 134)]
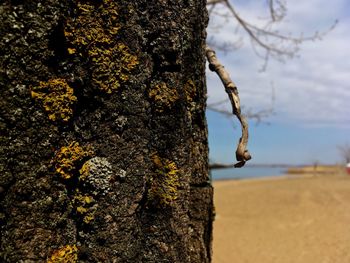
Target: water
[(246, 172)]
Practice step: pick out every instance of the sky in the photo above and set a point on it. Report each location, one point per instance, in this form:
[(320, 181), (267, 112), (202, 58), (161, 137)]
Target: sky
[(309, 94)]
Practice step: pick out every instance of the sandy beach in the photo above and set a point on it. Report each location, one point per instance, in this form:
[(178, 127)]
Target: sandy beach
[(291, 219)]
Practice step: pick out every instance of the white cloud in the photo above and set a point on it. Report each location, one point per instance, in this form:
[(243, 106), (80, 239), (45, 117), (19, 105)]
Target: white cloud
[(313, 89)]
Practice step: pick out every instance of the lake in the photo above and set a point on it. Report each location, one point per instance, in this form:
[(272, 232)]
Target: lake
[(246, 172)]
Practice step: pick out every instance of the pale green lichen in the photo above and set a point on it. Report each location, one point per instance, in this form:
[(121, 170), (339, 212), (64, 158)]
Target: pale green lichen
[(68, 159), (93, 33), (163, 96), (163, 185), (66, 254), (57, 98)]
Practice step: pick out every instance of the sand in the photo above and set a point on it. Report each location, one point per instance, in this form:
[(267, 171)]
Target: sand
[(295, 219)]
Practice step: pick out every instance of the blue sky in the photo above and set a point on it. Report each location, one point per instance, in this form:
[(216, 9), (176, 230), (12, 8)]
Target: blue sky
[(311, 92)]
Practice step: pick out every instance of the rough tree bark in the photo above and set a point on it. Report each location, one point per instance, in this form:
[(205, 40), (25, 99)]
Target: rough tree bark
[(104, 154)]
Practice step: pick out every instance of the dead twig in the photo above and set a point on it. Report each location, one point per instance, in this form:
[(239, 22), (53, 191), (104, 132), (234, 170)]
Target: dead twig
[(242, 154)]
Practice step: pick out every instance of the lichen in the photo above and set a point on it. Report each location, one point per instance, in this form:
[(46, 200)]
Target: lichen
[(96, 173), (68, 159), (163, 97), (112, 66), (57, 98), (66, 254), (163, 185), (93, 33), (190, 90), (85, 206)]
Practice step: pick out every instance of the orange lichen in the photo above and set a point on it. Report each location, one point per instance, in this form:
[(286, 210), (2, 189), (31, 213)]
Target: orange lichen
[(163, 185), (163, 96), (66, 254), (93, 33), (69, 159), (57, 98)]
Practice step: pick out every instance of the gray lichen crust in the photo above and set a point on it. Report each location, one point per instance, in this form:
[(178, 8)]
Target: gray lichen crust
[(97, 173)]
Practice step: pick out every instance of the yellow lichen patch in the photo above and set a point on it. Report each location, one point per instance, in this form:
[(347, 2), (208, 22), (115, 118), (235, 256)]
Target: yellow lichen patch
[(93, 33), (84, 207), (190, 90), (71, 50), (163, 185), (93, 24), (112, 66), (66, 254), (163, 96), (84, 171), (57, 98), (69, 158)]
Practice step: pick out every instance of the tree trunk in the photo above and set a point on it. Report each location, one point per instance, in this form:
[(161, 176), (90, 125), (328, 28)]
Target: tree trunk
[(104, 153)]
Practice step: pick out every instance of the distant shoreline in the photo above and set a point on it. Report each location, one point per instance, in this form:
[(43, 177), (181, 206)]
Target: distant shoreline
[(297, 167), (318, 169), (264, 178), (263, 172), (224, 166)]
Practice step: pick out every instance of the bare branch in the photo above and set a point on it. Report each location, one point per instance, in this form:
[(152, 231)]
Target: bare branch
[(211, 9), (257, 115), (272, 10), (279, 12), (226, 46), (220, 102), (242, 154), (254, 32), (272, 42), (213, 2)]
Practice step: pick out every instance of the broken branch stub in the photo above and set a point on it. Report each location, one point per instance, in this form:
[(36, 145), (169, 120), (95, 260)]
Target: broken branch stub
[(242, 153)]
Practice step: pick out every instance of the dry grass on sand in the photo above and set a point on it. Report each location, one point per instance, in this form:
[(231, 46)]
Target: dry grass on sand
[(294, 219)]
